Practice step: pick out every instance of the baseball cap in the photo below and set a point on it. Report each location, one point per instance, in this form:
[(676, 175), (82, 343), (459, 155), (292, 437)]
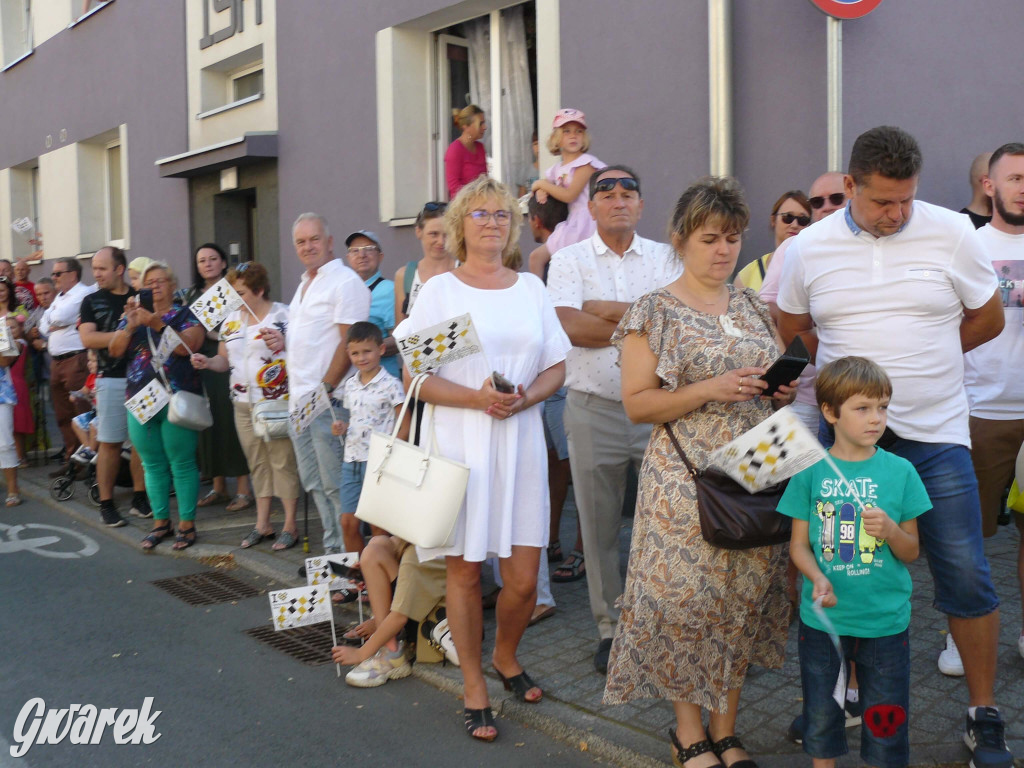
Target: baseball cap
[(362, 233), (564, 116)]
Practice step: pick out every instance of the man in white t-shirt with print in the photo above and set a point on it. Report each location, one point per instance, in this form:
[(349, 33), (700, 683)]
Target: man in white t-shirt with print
[(995, 388), (329, 299), (592, 283), (910, 286)]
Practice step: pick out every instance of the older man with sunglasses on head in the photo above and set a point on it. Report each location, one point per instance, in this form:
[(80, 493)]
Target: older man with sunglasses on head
[(592, 283)]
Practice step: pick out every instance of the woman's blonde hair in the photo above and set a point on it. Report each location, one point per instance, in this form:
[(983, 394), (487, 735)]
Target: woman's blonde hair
[(467, 115), (710, 199), (466, 200), (556, 138)]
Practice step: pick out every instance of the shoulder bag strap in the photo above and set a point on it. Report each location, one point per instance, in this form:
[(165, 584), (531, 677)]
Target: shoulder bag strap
[(760, 266), (375, 283), (679, 450), (771, 331), (410, 275)]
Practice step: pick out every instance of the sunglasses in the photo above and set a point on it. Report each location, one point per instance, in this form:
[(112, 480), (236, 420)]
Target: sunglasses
[(58, 274), (433, 207), (607, 185), (836, 198), (788, 218), (240, 268)]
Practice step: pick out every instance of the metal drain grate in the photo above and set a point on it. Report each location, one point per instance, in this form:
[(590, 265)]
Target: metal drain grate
[(310, 645), (206, 588)]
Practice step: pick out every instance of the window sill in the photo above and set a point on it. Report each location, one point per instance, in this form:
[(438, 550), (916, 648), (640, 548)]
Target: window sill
[(402, 222), (232, 105), (89, 13), (18, 60)]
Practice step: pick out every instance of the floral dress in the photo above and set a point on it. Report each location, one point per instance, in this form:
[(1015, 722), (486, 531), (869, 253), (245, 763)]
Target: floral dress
[(694, 617)]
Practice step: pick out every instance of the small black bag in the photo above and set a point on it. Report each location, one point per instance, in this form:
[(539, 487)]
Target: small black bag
[(730, 516)]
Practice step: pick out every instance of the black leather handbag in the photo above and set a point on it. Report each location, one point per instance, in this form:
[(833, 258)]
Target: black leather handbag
[(730, 516)]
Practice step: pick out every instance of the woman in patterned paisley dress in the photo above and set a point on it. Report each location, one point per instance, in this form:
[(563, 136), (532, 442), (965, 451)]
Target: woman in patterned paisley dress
[(694, 617)]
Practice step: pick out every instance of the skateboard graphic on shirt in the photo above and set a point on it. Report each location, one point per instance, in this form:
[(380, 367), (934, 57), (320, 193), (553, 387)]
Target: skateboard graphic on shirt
[(847, 532), (868, 543), (826, 512)]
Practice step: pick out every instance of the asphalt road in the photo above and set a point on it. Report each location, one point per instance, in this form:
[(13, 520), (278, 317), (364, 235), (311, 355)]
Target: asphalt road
[(81, 623)]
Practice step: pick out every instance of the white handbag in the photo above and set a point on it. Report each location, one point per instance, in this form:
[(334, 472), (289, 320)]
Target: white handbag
[(185, 409), (411, 491)]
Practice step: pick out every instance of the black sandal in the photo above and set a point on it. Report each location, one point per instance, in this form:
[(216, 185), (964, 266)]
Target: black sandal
[(573, 568), (480, 718), (185, 538), (157, 535), (555, 551), (731, 742), (680, 755), (520, 685)]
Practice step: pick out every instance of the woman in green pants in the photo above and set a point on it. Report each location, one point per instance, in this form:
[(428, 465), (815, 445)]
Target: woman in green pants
[(167, 450)]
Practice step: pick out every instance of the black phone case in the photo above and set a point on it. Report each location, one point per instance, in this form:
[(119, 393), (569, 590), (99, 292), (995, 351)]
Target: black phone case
[(787, 368)]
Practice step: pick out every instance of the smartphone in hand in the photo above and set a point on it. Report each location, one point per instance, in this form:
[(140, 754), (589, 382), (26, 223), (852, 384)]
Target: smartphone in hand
[(787, 368), (502, 384)]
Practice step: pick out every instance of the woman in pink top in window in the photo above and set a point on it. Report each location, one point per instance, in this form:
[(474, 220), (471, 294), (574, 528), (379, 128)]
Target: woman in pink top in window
[(567, 181), (466, 157)]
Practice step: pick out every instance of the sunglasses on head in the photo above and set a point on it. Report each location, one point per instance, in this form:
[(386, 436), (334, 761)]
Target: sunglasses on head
[(433, 207), (788, 218), (608, 184), (240, 268), (836, 198)]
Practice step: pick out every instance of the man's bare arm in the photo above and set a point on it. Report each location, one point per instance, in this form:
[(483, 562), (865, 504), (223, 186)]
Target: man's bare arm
[(585, 329), (93, 339), (791, 326), (612, 311), (982, 324)]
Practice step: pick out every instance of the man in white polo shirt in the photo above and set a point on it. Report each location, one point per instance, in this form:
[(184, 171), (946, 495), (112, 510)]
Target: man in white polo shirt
[(592, 283), (330, 297), (910, 286), (995, 388), (68, 366)]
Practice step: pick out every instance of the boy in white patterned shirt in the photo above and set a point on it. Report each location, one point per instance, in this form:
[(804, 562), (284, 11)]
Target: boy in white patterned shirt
[(373, 398)]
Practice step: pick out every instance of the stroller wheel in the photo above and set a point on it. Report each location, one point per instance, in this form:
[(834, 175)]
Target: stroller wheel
[(62, 488), (94, 494)]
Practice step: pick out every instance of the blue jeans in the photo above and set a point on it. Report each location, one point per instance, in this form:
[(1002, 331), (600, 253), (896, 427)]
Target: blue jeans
[(951, 531), (883, 673), (318, 456)]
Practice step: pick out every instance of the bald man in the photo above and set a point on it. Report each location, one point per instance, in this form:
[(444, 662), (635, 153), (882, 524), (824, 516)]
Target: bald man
[(980, 207)]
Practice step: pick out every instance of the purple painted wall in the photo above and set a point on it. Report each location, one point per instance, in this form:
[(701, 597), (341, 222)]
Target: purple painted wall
[(779, 102), (943, 75), (640, 73), (124, 64)]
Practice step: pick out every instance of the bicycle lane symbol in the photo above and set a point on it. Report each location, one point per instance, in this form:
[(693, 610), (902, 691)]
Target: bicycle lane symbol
[(40, 545)]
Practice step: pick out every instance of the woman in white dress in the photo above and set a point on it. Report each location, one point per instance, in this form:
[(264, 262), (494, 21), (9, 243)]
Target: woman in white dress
[(500, 436)]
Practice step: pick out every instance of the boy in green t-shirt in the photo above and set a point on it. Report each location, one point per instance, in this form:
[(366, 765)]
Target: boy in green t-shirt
[(851, 538)]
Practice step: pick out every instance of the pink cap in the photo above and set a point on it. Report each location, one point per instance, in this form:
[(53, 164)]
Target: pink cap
[(564, 116)]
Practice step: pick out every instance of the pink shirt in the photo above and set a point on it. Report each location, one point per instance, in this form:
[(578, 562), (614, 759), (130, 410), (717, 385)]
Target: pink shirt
[(462, 166)]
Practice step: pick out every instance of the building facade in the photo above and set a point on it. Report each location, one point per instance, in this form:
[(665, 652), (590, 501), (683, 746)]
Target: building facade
[(162, 125)]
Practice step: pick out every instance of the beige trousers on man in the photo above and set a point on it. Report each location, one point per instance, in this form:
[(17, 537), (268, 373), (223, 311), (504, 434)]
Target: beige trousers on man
[(602, 445)]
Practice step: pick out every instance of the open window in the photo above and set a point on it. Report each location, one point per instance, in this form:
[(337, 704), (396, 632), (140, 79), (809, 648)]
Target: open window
[(15, 31), (431, 67)]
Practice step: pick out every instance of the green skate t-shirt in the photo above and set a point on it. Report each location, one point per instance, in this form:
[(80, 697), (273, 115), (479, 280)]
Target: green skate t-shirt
[(872, 586)]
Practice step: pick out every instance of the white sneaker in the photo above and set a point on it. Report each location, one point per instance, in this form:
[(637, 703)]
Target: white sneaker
[(949, 660), (380, 668)]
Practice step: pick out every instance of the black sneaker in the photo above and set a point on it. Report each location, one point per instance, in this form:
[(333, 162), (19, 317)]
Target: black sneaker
[(111, 517), (141, 508), (854, 717), (984, 736)]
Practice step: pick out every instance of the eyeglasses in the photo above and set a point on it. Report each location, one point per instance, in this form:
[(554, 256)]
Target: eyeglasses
[(837, 198), (501, 218), (433, 207), (368, 249), (155, 281), (608, 184), (788, 218), (58, 274)]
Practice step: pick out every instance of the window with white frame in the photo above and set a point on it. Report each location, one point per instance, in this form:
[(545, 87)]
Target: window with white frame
[(233, 81), (431, 67), (15, 30), (115, 194)]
